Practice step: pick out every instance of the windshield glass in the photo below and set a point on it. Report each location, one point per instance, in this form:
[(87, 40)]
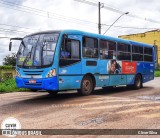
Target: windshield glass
[(37, 50)]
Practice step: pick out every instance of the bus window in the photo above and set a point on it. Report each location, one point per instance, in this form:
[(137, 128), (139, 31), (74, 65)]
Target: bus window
[(148, 54), (137, 53), (124, 51), (107, 49), (71, 49), (90, 47)]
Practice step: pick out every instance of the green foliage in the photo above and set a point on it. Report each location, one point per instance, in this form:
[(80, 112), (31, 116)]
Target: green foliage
[(10, 60), (157, 73), (6, 67), (9, 86)]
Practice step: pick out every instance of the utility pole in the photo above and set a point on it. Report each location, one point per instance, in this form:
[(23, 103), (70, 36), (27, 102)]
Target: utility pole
[(100, 5), (99, 17)]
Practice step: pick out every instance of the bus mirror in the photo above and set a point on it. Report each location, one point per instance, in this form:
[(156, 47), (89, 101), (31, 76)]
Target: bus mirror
[(10, 45)]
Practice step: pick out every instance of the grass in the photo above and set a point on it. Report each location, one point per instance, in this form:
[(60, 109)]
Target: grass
[(157, 73), (9, 86)]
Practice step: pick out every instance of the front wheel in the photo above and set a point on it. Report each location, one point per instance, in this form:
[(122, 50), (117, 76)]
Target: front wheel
[(53, 93), (33, 90), (138, 82), (87, 86)]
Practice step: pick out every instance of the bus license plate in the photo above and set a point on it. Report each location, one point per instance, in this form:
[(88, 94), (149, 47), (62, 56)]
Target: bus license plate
[(32, 81)]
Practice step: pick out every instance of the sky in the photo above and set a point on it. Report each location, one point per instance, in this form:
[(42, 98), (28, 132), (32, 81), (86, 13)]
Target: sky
[(22, 17)]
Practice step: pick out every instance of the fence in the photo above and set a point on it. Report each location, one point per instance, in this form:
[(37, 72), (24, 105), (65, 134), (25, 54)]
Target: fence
[(7, 72)]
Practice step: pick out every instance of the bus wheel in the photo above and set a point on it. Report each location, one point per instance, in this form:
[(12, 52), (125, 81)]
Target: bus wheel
[(53, 93), (33, 90), (138, 82), (87, 86)]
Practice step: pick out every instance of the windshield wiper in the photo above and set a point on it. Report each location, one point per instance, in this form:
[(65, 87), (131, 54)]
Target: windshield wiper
[(27, 57)]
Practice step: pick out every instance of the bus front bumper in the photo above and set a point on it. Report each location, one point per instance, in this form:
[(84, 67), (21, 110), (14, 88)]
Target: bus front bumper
[(39, 84)]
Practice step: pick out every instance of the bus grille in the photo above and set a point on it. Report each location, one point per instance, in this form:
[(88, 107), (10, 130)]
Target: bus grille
[(32, 73), (34, 84), (35, 72)]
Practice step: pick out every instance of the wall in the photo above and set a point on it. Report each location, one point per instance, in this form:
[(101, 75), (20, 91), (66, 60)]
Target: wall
[(7, 72)]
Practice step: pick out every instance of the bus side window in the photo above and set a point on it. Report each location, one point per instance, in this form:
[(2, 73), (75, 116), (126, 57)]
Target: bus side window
[(124, 51), (66, 49), (71, 49), (90, 47), (137, 53), (148, 54), (107, 49)]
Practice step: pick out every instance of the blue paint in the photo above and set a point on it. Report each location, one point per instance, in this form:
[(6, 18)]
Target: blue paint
[(41, 84), (70, 77)]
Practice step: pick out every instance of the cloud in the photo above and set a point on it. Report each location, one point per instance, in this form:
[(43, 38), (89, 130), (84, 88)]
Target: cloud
[(69, 14)]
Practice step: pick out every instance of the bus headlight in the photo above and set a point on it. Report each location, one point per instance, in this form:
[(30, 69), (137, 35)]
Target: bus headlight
[(51, 73)]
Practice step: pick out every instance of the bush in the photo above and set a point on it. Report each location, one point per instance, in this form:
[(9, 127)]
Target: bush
[(10, 86), (157, 73)]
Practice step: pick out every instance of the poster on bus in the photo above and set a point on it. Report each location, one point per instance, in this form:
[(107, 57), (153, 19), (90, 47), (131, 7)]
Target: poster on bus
[(121, 67)]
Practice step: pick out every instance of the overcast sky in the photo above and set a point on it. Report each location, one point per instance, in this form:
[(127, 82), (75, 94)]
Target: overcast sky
[(22, 17)]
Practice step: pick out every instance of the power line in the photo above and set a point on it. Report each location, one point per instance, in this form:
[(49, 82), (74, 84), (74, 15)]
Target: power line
[(45, 13), (18, 26), (2, 29), (130, 27), (107, 7)]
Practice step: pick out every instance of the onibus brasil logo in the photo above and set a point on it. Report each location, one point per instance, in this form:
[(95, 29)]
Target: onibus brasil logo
[(9, 127)]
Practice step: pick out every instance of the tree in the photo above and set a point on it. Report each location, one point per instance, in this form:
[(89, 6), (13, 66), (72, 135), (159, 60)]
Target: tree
[(10, 59)]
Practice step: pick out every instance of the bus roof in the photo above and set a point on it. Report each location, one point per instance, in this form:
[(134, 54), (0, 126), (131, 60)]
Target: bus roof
[(106, 37), (77, 32)]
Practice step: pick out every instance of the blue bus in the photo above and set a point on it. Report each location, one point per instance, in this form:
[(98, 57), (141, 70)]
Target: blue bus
[(71, 59)]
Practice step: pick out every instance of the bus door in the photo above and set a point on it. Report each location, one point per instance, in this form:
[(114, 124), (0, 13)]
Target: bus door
[(70, 63)]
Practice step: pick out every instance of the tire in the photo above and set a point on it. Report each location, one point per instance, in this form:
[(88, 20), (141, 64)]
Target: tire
[(138, 82), (33, 90), (53, 93), (87, 86)]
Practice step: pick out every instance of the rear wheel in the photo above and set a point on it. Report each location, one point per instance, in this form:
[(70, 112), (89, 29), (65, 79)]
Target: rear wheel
[(138, 82), (87, 86)]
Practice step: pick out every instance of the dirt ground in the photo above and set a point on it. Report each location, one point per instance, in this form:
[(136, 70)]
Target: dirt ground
[(120, 108)]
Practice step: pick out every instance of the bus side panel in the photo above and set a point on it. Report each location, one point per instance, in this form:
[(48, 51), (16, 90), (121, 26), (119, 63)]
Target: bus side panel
[(69, 82), (130, 79), (70, 77), (148, 72), (102, 80)]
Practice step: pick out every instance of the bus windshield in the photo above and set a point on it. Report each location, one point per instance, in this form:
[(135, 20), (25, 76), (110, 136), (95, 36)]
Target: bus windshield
[(37, 50)]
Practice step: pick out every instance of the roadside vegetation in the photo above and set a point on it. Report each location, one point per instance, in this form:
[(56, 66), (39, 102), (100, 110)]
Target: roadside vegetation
[(9, 85), (157, 73)]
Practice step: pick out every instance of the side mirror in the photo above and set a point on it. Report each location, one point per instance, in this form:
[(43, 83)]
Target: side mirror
[(10, 45)]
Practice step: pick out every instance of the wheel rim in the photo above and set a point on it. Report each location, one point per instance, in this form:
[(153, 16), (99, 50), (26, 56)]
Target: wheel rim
[(86, 85)]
